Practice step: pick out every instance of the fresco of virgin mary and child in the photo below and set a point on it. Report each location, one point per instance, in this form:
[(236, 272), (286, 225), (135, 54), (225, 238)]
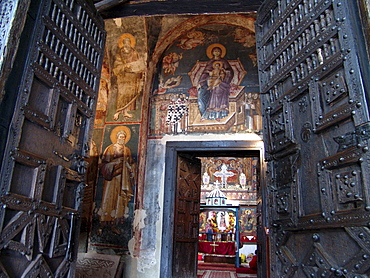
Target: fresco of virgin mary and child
[(214, 85)]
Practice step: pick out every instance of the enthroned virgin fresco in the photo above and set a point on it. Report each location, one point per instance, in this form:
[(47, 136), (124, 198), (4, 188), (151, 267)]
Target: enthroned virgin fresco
[(207, 82)]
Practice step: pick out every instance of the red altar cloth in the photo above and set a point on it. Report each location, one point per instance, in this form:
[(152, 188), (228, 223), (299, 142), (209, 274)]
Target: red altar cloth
[(221, 248)]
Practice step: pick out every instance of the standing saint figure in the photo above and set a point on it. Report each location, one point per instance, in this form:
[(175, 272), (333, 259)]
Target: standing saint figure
[(128, 68), (214, 85), (118, 170)]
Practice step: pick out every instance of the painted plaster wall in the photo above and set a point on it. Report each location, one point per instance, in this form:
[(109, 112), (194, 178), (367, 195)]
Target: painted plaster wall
[(187, 84), (136, 235), (150, 236), (118, 111)]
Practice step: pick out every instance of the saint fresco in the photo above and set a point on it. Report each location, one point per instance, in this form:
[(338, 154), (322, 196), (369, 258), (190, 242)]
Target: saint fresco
[(214, 85), (113, 211), (128, 70), (248, 223), (118, 170), (116, 134)]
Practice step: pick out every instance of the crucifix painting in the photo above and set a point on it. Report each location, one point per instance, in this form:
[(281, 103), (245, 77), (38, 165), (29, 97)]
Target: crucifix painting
[(224, 174)]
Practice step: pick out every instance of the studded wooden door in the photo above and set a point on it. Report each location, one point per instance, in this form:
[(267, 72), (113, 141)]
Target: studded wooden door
[(187, 209), (316, 132), (55, 80)]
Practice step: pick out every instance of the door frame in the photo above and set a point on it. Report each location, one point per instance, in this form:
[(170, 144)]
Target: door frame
[(199, 149)]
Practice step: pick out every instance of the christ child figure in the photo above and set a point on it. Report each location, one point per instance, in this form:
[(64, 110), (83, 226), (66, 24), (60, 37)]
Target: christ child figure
[(216, 75)]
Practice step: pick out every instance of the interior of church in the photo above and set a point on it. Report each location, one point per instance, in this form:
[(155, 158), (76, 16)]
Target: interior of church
[(227, 220)]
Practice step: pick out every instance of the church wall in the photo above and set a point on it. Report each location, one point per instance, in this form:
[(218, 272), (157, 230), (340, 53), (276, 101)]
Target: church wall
[(136, 232), (237, 178), (239, 185), (148, 266), (118, 110), (149, 241)]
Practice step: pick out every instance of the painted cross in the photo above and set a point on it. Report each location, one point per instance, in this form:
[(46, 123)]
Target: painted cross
[(224, 174), (214, 246), (217, 184)]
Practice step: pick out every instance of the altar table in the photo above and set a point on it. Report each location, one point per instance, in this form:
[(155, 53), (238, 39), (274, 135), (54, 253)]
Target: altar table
[(216, 247)]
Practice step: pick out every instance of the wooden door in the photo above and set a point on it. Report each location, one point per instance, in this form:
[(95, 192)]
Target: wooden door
[(316, 132), (54, 82), (187, 209)]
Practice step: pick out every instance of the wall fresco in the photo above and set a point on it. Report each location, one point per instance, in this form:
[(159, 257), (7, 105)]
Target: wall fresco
[(236, 177), (248, 223), (207, 82), (116, 136), (123, 72), (114, 202)]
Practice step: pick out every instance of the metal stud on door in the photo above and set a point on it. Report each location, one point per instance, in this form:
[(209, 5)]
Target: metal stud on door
[(315, 129)]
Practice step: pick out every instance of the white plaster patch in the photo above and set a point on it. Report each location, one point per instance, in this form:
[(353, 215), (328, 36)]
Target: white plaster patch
[(139, 217), (118, 21), (146, 260), (131, 244), (147, 257)]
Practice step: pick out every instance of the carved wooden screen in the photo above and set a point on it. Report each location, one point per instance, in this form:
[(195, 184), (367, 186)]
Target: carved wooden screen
[(42, 173), (316, 131), (187, 209)]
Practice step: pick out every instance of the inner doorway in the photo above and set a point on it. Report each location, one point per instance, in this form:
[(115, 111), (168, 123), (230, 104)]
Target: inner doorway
[(205, 149), (227, 238)]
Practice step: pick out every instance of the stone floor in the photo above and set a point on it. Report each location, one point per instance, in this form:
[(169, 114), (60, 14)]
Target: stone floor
[(223, 274), (205, 271)]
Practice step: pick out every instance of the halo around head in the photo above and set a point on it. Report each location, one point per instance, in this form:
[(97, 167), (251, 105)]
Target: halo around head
[(212, 46), (125, 129), (124, 36)]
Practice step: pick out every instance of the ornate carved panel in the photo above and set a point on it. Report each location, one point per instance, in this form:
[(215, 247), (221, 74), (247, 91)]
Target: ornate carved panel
[(43, 168), (316, 131), (279, 128)]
